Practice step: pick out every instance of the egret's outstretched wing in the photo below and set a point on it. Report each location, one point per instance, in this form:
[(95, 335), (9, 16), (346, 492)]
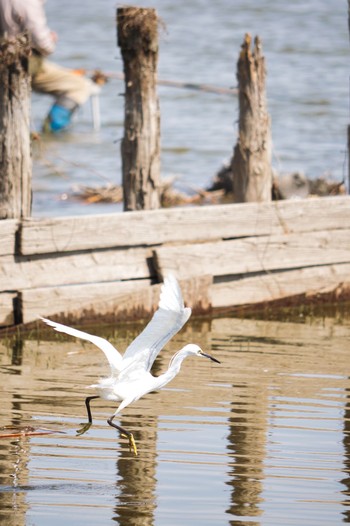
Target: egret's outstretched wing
[(170, 317), (113, 356)]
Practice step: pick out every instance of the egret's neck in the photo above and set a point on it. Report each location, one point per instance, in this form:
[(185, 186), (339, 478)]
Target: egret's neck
[(173, 369)]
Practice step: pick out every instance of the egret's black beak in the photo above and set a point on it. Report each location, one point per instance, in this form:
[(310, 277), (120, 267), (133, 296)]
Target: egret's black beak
[(210, 357)]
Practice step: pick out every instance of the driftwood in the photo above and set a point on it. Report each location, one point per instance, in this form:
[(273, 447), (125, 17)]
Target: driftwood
[(15, 157), (138, 41), (169, 196), (251, 162), (284, 186)]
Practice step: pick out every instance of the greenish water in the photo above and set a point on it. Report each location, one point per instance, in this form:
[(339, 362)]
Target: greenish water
[(262, 439)]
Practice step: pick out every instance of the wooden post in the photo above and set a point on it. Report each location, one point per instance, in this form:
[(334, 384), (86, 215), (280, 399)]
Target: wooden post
[(251, 162), (15, 151), (138, 40)]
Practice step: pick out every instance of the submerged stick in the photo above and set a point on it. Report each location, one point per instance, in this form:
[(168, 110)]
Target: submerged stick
[(24, 431)]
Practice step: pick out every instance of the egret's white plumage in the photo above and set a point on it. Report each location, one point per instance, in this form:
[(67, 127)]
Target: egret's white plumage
[(130, 374)]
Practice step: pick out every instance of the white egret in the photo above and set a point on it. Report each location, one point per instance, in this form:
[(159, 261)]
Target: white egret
[(130, 375)]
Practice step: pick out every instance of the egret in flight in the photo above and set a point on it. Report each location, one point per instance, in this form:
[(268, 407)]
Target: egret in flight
[(130, 376)]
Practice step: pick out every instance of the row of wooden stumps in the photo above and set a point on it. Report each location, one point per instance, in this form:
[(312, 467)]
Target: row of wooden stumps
[(137, 30), (251, 162)]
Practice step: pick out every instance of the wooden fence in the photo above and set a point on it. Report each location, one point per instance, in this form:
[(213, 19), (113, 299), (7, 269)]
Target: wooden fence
[(226, 256)]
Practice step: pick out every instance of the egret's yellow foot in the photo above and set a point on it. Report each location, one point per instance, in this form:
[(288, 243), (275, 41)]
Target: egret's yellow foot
[(132, 444), (84, 428)]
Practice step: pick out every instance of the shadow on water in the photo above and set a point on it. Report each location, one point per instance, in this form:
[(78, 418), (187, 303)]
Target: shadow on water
[(261, 439)]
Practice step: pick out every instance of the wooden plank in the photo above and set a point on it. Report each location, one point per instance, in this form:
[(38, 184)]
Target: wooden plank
[(193, 224), (7, 308), (88, 299), (123, 300), (272, 286), (89, 267), (8, 229), (255, 254), (196, 293)]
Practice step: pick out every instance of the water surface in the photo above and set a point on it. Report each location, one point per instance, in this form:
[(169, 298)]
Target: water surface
[(262, 439), (306, 48)]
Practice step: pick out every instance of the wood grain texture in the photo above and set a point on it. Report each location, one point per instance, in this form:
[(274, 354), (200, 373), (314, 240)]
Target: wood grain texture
[(254, 254), (272, 286), (101, 298), (7, 308), (187, 225), (15, 157), (137, 30), (113, 300), (224, 256), (80, 267), (8, 229), (251, 162)]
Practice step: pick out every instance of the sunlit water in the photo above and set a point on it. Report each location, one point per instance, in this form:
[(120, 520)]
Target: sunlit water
[(262, 439), (306, 48)]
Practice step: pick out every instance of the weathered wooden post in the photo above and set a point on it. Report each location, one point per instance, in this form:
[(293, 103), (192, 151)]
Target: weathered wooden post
[(138, 40), (251, 162), (15, 151)]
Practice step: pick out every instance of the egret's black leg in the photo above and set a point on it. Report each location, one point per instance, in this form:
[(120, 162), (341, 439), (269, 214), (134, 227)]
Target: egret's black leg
[(87, 403), (125, 433), (86, 427)]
